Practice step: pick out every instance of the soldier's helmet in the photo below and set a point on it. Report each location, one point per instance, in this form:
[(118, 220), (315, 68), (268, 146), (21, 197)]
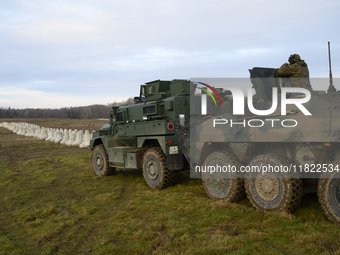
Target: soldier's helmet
[(293, 58)]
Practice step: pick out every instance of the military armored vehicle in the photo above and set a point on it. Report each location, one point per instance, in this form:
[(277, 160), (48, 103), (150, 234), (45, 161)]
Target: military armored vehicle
[(291, 152), (143, 135), (164, 131)]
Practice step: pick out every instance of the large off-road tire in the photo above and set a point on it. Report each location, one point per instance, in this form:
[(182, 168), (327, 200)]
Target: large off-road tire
[(329, 194), (100, 162), (276, 190), (226, 185), (155, 169)]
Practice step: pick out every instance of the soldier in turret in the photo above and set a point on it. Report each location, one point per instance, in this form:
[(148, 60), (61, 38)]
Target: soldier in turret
[(297, 71)]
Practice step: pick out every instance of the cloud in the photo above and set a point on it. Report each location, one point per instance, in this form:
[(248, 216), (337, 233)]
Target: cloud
[(79, 47)]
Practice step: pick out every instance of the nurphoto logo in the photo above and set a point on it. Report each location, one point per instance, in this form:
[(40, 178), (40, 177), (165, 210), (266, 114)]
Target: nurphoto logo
[(239, 102)]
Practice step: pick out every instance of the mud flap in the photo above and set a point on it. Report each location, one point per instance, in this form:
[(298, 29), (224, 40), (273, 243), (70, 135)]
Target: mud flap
[(175, 161)]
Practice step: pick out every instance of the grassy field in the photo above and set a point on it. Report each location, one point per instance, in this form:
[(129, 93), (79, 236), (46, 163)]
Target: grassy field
[(52, 203)]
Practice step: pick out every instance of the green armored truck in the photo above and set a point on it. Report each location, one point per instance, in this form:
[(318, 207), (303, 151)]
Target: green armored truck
[(143, 135)]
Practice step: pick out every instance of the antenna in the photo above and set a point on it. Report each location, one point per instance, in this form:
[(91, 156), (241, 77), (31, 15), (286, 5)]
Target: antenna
[(331, 87)]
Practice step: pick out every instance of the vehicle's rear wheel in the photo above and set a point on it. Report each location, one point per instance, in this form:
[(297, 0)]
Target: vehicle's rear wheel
[(274, 190), (155, 170), (100, 162), (222, 183), (329, 194)]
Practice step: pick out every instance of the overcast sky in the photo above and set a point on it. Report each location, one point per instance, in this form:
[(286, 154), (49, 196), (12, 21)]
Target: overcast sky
[(75, 53)]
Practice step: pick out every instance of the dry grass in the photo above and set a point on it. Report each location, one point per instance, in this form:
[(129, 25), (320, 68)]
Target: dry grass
[(52, 203)]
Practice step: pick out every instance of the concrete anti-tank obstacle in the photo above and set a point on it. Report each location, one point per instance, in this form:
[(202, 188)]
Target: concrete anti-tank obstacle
[(72, 138), (20, 127), (5, 125), (59, 137), (68, 137), (64, 134), (53, 134), (79, 138), (15, 129), (23, 131), (86, 140), (40, 132), (12, 126), (43, 135), (36, 133), (9, 126), (50, 134), (30, 130), (65, 137), (56, 136), (36, 127), (54, 131), (19, 131), (58, 140)]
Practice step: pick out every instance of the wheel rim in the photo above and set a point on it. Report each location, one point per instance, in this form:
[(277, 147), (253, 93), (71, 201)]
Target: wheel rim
[(267, 186), (99, 162), (217, 181), (152, 170), (219, 184)]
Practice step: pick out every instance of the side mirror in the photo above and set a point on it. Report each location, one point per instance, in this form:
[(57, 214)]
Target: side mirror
[(136, 99)]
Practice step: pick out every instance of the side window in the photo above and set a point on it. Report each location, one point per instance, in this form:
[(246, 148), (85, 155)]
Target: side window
[(119, 117), (149, 109), (143, 94), (150, 90)]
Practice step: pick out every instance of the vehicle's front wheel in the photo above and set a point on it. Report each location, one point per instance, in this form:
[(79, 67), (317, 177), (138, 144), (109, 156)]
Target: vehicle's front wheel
[(155, 170), (100, 162)]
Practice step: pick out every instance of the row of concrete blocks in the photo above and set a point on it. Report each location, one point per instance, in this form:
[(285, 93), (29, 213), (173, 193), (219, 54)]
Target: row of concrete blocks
[(63, 136)]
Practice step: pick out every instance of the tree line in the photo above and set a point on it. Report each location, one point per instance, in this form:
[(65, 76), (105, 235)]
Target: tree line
[(81, 112)]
